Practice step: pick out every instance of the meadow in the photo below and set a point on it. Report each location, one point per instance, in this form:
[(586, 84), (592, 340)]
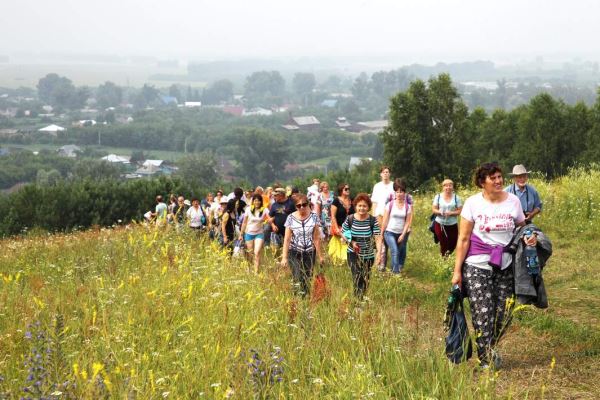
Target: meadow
[(135, 312)]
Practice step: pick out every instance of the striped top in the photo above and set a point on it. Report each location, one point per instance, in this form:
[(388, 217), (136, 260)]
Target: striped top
[(302, 232), (363, 235)]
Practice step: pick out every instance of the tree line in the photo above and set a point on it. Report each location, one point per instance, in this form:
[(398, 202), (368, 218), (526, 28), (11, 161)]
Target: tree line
[(432, 134), (69, 205)]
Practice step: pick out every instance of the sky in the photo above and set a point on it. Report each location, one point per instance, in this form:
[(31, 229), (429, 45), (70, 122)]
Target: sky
[(415, 31)]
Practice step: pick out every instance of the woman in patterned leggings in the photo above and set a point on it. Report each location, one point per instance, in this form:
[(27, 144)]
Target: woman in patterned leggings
[(483, 268)]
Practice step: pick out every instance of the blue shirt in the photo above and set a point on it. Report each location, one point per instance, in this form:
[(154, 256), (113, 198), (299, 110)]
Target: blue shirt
[(529, 197)]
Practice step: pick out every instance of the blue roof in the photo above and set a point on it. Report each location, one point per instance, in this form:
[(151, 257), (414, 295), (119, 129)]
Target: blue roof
[(168, 99)]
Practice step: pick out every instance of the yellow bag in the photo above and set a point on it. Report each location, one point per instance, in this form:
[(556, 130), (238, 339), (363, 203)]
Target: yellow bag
[(337, 250)]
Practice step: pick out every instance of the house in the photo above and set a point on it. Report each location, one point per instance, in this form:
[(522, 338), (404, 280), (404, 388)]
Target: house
[(192, 104), (168, 100), (8, 132), (369, 126), (147, 170), (69, 150), (4, 151), (354, 161), (162, 165), (52, 129), (238, 111), (113, 158), (304, 123), (85, 122), (342, 123), (330, 103), (258, 111)]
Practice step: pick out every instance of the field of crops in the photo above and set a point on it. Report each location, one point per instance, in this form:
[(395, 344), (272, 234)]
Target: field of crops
[(135, 312)]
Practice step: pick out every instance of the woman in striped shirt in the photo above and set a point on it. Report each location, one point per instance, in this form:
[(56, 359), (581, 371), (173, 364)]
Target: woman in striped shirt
[(301, 244), (360, 230)]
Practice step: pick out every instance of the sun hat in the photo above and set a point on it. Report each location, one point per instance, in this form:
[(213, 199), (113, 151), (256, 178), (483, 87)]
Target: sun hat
[(224, 200), (279, 191), (519, 169), (187, 202)]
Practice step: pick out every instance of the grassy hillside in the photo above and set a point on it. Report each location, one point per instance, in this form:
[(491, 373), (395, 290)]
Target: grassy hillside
[(140, 313)]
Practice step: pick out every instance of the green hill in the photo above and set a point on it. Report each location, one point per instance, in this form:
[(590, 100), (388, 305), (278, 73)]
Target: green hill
[(140, 313)]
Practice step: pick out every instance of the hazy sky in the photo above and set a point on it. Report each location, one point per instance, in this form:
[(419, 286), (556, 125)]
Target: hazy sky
[(417, 30)]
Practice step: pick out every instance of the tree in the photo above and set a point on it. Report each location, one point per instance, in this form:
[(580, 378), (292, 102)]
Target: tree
[(109, 95), (421, 141), (175, 92), (303, 84), (147, 96), (219, 91), (59, 91), (264, 87), (198, 170), (261, 155), (360, 88)]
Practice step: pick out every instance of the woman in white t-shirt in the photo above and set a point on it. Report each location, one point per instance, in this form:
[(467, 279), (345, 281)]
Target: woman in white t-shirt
[(483, 267), (253, 228), (397, 220)]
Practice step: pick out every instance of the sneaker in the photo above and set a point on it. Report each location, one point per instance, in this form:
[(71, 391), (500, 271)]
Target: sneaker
[(381, 268)]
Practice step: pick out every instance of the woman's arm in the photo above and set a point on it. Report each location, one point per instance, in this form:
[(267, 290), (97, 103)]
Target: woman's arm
[(317, 242), (337, 228), (386, 219), (462, 246), (226, 217), (243, 228), (286, 246)]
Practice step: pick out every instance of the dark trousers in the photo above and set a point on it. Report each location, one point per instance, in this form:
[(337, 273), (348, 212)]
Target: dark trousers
[(488, 292), (301, 264), (361, 271), (447, 236)]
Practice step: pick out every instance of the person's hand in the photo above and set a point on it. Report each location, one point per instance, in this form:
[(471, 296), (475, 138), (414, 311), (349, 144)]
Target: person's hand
[(284, 262), (225, 239), (401, 238), (530, 240), (321, 259), (457, 279), (274, 228)]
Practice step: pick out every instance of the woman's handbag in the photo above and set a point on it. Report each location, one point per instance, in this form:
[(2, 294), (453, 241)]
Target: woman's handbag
[(458, 342)]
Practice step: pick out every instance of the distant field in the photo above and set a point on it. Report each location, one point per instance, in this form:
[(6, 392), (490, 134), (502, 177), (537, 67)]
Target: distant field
[(122, 151), (28, 75)]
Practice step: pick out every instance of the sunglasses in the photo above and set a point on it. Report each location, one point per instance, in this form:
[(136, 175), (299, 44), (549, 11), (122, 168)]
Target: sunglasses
[(301, 205), (346, 188)]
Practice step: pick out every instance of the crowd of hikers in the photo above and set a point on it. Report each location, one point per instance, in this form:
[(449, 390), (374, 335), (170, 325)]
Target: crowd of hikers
[(373, 230)]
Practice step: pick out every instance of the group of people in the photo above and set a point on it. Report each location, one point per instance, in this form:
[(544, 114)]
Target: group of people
[(363, 229)]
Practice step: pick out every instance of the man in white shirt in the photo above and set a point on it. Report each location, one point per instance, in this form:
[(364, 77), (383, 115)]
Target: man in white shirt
[(382, 193)]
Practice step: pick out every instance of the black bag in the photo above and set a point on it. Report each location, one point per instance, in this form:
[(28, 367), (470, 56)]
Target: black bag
[(458, 342)]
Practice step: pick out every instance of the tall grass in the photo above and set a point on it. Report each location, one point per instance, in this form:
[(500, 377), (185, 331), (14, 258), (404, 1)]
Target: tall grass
[(146, 313)]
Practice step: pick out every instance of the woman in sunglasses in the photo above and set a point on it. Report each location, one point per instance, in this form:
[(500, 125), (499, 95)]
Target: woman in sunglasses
[(301, 244)]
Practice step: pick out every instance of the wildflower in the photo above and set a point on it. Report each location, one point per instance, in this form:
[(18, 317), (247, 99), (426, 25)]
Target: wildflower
[(317, 381)]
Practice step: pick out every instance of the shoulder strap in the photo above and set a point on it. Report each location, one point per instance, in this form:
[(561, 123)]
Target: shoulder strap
[(372, 223)]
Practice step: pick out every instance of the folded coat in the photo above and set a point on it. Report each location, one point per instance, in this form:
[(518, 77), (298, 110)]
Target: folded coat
[(527, 289)]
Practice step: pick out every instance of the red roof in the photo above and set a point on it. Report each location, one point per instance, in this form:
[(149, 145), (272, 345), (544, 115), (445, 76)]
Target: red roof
[(235, 110)]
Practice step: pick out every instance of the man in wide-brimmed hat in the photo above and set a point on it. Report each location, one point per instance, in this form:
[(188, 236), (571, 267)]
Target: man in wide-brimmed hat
[(530, 199)]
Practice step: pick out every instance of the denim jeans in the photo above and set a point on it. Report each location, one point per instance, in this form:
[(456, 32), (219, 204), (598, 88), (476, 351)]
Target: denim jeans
[(397, 250)]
